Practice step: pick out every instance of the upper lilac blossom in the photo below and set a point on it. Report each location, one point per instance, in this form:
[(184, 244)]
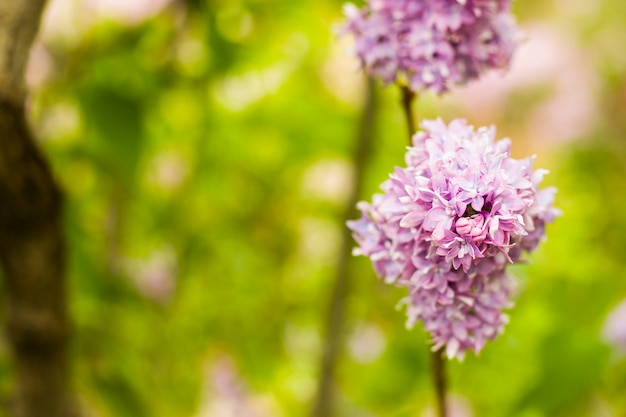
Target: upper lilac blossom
[(447, 225), (432, 44)]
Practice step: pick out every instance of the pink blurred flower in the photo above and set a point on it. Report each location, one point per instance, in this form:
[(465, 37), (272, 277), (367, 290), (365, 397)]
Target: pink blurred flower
[(155, 277), (614, 329), (226, 394), (457, 406), (549, 61)]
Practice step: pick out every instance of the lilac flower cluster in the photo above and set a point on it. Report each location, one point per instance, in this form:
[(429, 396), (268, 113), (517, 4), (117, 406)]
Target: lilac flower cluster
[(432, 44), (447, 225)]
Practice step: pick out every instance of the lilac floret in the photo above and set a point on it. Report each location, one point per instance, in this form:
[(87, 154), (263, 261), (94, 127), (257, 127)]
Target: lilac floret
[(447, 225), (432, 44)]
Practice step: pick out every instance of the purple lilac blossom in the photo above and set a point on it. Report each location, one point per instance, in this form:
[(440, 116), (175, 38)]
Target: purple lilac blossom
[(447, 225), (432, 44)]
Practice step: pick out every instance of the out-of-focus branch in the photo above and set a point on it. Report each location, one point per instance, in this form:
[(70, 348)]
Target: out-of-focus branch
[(19, 23), (323, 406), (31, 238)]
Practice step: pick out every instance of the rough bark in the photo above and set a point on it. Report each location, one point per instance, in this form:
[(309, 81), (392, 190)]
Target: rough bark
[(31, 238)]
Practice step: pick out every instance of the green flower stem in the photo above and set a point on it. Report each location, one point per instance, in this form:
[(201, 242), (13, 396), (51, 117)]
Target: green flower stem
[(408, 98), (439, 380)]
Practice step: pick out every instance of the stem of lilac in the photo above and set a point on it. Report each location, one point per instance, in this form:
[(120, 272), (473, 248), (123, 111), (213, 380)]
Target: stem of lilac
[(438, 362), (408, 98), (439, 380), (323, 403)]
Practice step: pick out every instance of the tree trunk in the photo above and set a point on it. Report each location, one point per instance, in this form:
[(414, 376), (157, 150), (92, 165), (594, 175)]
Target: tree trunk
[(31, 237)]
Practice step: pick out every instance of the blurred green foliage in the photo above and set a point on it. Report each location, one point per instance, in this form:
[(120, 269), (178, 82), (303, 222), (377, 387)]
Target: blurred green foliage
[(206, 153)]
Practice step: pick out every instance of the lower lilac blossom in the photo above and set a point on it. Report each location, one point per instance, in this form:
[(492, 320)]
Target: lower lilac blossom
[(448, 224), (432, 44)]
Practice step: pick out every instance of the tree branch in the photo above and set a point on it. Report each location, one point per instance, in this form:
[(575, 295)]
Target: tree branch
[(19, 23), (323, 405)]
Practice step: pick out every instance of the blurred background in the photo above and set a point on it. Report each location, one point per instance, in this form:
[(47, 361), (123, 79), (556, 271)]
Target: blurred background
[(206, 150)]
